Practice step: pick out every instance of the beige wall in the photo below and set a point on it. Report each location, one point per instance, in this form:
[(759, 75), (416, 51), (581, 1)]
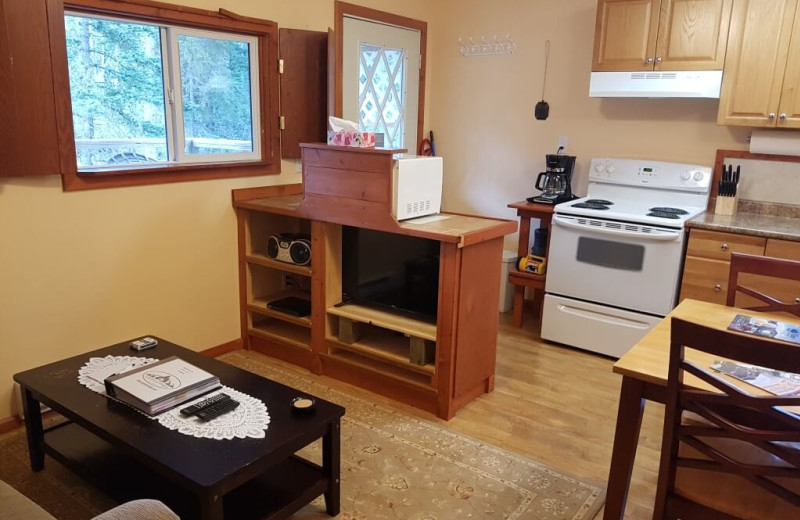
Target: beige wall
[(83, 270), (483, 106)]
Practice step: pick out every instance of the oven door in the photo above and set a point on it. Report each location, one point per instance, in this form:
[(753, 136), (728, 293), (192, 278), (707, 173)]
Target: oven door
[(630, 266)]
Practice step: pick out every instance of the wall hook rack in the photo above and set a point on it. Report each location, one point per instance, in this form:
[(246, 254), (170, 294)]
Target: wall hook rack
[(486, 47)]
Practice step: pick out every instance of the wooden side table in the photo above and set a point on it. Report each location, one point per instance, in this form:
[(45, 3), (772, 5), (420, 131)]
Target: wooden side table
[(526, 211)]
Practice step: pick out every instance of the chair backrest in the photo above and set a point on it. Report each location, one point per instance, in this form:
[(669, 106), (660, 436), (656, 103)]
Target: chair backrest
[(758, 422), (763, 266)]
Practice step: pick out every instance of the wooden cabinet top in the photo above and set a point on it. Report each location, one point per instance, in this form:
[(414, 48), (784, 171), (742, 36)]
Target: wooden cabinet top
[(464, 230)]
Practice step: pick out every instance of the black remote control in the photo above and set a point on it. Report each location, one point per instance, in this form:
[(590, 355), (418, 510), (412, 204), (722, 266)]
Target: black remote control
[(215, 410), (205, 403)]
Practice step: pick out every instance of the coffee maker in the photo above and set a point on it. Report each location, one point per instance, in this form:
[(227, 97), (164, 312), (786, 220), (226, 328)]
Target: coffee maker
[(555, 183)]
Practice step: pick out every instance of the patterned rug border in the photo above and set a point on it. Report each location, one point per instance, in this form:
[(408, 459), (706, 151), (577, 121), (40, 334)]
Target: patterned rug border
[(598, 491)]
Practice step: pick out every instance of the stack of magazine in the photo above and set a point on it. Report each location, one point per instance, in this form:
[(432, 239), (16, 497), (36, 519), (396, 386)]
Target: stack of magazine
[(162, 385)]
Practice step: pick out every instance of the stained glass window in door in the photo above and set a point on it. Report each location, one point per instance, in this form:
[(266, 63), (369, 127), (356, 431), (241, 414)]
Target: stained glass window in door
[(382, 92)]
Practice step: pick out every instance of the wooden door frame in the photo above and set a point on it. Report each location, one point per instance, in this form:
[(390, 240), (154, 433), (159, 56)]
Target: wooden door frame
[(342, 9)]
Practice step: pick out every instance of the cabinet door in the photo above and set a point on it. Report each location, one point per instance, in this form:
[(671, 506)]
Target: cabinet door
[(789, 112), (719, 246), (625, 35), (27, 105), (693, 34), (784, 290), (756, 61), (705, 280)]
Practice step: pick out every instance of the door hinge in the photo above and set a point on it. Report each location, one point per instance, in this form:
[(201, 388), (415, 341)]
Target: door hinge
[(280, 66), (282, 123)]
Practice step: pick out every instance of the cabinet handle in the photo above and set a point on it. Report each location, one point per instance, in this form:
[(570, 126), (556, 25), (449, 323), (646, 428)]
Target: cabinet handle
[(717, 288), (724, 247), (648, 61), (797, 300), (783, 117), (659, 60), (771, 116)]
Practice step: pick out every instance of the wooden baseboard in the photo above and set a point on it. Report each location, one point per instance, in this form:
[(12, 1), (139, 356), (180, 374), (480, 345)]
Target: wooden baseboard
[(223, 349), (10, 423)]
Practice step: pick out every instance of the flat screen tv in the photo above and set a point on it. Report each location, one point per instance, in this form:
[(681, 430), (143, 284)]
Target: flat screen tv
[(398, 273)]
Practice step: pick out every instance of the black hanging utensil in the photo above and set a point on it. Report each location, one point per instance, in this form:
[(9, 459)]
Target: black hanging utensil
[(542, 110)]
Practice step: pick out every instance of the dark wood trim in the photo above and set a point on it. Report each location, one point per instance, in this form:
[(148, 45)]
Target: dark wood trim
[(147, 10), (61, 92), (740, 154), (230, 346), (279, 190), (342, 9), (9, 424)]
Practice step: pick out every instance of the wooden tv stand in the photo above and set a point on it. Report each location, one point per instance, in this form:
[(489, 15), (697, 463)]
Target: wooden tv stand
[(383, 352)]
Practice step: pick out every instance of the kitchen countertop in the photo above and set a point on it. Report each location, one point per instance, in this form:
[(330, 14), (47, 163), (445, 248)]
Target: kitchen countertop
[(783, 228)]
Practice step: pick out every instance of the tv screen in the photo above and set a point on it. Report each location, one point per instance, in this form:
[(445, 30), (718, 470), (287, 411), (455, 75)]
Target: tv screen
[(394, 272)]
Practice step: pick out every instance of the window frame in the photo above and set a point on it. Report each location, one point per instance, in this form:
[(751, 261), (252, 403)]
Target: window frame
[(193, 19)]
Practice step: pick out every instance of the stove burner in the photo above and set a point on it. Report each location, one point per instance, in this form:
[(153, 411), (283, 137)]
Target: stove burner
[(600, 201), (673, 211), (590, 205), (663, 214)]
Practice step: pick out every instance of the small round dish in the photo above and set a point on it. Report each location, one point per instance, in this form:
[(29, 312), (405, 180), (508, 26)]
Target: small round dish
[(303, 404)]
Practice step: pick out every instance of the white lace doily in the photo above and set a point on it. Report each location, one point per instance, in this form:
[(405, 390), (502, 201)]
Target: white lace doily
[(250, 419)]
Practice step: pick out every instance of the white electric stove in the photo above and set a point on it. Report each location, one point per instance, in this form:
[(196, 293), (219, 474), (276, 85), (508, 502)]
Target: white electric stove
[(615, 256)]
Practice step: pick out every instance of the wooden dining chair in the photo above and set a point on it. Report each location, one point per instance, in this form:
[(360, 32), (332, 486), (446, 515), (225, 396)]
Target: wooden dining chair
[(727, 454), (764, 266)]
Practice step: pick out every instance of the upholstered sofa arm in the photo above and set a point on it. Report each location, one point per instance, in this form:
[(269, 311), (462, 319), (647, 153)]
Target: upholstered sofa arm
[(139, 510)]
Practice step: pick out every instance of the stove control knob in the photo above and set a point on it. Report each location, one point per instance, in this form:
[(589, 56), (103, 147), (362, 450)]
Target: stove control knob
[(599, 168), (698, 176), (685, 176), (610, 168)]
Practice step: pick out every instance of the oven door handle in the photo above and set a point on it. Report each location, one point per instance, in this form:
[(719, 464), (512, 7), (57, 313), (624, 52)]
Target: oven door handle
[(663, 236)]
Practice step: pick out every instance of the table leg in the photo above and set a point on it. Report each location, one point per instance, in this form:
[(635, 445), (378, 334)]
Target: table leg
[(626, 440), (331, 468), (34, 429), (211, 506), (519, 302)]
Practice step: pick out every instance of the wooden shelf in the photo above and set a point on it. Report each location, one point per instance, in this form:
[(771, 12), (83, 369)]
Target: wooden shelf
[(386, 320), (527, 279), (413, 378), (278, 330), (384, 347), (259, 306), (259, 259)]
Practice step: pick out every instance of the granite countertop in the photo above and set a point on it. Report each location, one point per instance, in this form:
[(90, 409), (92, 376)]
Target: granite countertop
[(769, 226)]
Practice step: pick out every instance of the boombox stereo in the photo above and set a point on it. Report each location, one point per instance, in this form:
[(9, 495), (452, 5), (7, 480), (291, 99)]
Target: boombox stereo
[(292, 248)]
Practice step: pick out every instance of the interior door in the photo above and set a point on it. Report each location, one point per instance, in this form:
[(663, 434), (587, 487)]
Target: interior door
[(381, 80), (693, 34), (625, 35)]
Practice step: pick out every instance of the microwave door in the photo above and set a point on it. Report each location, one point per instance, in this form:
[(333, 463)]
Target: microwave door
[(627, 266)]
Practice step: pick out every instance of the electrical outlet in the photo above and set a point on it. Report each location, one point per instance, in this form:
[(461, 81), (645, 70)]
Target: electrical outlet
[(562, 144)]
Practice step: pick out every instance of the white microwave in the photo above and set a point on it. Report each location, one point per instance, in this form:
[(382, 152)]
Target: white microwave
[(416, 186)]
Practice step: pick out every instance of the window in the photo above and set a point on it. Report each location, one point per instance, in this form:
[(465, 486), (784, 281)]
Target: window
[(162, 93), (154, 95), (381, 92)]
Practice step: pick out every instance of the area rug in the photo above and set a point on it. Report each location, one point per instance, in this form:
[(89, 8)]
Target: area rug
[(393, 467)]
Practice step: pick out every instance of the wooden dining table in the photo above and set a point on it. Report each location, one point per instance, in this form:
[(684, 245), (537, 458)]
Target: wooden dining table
[(644, 378)]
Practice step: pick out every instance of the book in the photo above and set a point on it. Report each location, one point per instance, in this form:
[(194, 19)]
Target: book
[(159, 386), (783, 384), (767, 328)]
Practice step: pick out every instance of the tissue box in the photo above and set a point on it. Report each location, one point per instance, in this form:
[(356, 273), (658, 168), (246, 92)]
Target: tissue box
[(352, 139)]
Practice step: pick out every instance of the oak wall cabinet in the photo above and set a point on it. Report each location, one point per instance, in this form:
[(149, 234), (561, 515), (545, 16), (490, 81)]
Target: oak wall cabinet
[(660, 35), (31, 91), (761, 85), (707, 267)]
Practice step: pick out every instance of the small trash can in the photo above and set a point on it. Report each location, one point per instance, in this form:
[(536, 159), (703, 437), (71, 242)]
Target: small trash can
[(507, 289)]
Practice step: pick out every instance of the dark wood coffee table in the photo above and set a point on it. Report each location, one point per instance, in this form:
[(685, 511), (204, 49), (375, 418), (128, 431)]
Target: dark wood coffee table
[(131, 456)]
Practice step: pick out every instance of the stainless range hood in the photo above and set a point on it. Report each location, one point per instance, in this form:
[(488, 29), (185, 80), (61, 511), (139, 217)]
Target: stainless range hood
[(651, 84)]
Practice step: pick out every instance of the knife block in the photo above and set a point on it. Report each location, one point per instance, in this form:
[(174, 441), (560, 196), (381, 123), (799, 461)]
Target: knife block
[(726, 205)]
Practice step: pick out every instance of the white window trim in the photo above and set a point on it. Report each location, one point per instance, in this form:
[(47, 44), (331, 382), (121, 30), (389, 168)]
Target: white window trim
[(170, 60)]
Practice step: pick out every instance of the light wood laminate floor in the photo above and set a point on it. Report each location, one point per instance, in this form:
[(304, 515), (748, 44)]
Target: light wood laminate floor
[(556, 405)]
